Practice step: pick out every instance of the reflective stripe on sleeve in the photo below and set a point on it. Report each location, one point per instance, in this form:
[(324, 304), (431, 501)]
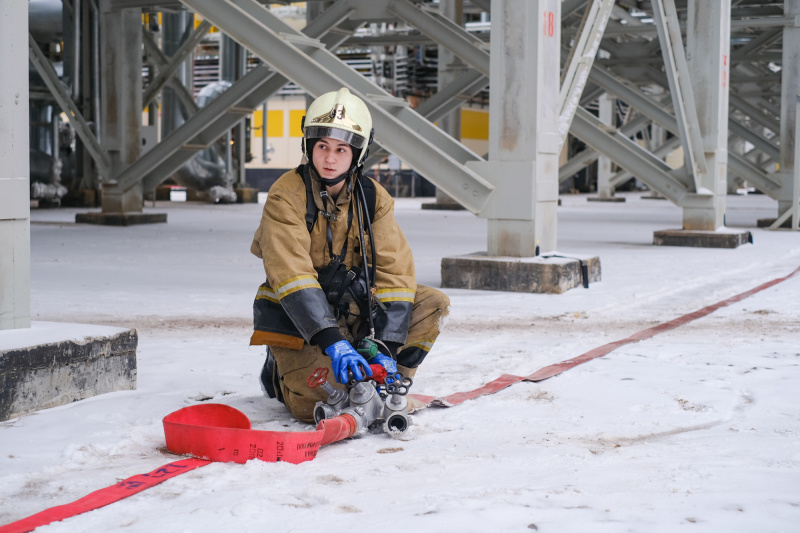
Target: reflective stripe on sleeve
[(295, 284), (398, 294), (266, 293), (422, 344)]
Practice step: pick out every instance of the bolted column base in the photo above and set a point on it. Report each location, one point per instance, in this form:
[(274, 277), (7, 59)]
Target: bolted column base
[(722, 238), (547, 273), (66, 363)]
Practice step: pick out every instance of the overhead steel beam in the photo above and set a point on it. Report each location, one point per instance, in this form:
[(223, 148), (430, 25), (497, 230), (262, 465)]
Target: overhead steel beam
[(202, 129), (175, 84), (669, 34), (445, 33), (755, 113), (588, 156), (634, 97), (628, 155), (67, 105), (450, 97), (568, 7), (759, 41), (306, 62), (486, 5), (440, 104), (580, 62), (753, 175), (327, 22), (766, 146), (662, 151), (166, 71)]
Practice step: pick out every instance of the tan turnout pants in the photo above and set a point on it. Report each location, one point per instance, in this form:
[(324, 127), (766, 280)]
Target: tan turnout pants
[(295, 366)]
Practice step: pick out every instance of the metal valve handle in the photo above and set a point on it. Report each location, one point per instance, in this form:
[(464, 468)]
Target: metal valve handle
[(398, 384), (319, 377)]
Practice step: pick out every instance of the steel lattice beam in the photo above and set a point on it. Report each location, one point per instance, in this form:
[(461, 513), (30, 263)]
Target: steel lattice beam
[(310, 65), (669, 35), (67, 105)]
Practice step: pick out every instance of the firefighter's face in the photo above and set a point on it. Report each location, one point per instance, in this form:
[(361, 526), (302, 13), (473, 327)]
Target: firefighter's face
[(332, 157)]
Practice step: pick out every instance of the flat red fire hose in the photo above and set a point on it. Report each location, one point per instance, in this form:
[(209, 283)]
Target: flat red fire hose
[(215, 432)]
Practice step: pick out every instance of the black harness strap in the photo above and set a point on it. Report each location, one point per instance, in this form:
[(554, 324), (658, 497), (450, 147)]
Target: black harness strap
[(312, 211)]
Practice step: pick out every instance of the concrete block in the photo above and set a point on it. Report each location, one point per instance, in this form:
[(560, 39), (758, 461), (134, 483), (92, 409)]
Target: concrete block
[(542, 274), (443, 206), (722, 238), (612, 199), (767, 222), (246, 195), (120, 219), (66, 363)]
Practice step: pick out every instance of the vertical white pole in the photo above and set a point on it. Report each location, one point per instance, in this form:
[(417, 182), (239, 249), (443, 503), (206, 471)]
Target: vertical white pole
[(15, 214)]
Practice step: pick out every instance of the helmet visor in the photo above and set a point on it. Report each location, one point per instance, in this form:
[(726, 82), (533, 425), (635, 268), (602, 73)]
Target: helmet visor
[(317, 132)]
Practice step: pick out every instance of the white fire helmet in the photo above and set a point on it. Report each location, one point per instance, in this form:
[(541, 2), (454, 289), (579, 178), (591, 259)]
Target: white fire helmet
[(339, 115)]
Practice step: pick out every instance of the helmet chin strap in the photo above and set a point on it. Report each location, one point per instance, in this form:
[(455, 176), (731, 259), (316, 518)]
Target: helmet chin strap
[(335, 181)]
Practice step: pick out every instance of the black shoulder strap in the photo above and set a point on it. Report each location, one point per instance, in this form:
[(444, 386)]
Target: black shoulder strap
[(312, 210), (311, 205), (371, 194)]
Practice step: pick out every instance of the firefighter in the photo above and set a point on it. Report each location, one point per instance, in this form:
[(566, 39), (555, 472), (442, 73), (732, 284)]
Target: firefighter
[(339, 269)]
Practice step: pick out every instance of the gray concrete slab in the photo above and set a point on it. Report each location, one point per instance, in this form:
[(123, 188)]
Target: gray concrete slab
[(725, 238), (53, 363), (120, 219), (553, 274)]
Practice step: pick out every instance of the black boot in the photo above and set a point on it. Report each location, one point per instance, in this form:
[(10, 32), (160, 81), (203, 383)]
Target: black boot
[(269, 378)]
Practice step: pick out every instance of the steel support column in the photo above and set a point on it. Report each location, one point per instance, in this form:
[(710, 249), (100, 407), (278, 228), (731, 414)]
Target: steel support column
[(607, 112), (15, 214), (523, 127), (789, 173), (708, 49), (121, 89)]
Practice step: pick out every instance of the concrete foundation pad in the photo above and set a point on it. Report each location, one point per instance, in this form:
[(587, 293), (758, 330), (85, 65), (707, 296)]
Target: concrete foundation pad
[(550, 273), (722, 238), (53, 363), (443, 206), (246, 195), (612, 199), (767, 222), (120, 219)]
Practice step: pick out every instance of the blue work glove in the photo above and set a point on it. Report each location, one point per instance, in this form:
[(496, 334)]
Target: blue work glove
[(344, 358), (386, 362)]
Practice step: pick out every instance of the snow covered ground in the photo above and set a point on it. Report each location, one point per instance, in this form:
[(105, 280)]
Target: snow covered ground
[(696, 429)]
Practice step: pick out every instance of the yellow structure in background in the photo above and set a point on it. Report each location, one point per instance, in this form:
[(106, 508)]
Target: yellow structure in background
[(284, 116), (475, 124)]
